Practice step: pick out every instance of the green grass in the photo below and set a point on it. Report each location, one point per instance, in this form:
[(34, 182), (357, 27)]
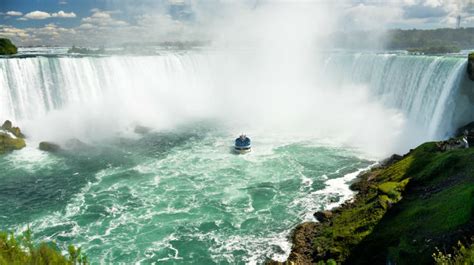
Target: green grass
[(403, 212), (437, 203), (393, 189), (397, 171)]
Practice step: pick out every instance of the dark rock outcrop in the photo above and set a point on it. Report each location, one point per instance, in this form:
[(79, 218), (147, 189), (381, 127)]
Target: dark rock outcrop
[(465, 129), (49, 147), (470, 66), (323, 216), (302, 249), (141, 129), (391, 160), (8, 126)]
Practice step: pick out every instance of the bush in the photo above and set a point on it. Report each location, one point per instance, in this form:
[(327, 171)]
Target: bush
[(7, 47), (462, 255), (21, 250)]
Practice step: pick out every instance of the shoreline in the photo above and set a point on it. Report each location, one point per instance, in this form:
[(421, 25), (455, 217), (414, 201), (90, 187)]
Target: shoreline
[(386, 208), (301, 236), (348, 180)]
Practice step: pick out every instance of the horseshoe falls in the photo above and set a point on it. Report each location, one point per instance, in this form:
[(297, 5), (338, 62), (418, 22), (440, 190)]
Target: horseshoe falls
[(177, 194), (425, 89)]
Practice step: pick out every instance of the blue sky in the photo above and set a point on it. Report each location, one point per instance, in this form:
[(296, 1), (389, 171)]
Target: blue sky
[(66, 22)]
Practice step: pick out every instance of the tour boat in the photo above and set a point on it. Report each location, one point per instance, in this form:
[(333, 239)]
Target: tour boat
[(242, 144)]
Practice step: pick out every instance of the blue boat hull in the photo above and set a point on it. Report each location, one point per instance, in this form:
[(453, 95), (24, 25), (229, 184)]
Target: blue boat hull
[(242, 145)]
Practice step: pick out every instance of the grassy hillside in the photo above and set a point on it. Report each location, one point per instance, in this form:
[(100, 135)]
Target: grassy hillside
[(404, 213), (436, 210)]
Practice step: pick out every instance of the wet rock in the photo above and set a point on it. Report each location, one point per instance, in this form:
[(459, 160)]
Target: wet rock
[(303, 243), (9, 143), (142, 129), (8, 126), (11, 138), (49, 147), (466, 129), (454, 143), (323, 216)]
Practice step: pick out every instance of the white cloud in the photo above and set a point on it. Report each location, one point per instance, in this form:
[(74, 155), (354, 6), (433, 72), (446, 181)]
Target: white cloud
[(406, 13), (37, 15), (51, 30), (364, 16), (103, 19), (14, 13), (63, 14), (433, 3), (17, 35), (100, 15), (44, 15), (86, 26), (165, 23)]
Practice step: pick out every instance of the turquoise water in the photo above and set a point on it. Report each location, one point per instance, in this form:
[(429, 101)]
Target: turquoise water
[(177, 196)]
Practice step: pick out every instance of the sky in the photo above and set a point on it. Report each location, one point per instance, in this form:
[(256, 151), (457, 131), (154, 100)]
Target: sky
[(108, 22)]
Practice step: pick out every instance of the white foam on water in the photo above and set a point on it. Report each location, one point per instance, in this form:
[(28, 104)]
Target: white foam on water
[(321, 199), (31, 159)]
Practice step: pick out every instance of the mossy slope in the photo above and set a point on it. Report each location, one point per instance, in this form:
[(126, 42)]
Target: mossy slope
[(403, 211), (378, 190), (436, 209)]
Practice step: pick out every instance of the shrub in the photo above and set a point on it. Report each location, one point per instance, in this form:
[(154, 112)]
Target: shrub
[(21, 250), (462, 255), (7, 47)]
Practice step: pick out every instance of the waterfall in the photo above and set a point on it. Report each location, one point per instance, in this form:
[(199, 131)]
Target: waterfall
[(424, 88), (430, 91), (32, 87)]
